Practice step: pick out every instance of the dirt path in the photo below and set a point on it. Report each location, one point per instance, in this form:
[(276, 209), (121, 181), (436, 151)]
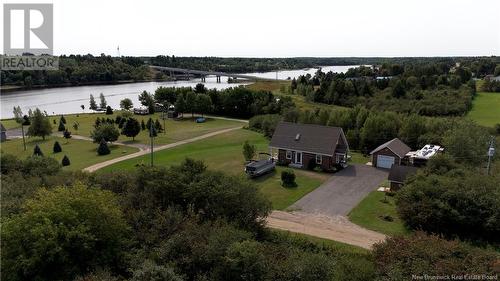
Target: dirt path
[(337, 228), (145, 151)]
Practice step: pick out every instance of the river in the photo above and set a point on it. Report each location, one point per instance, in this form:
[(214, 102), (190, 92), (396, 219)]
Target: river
[(68, 100)]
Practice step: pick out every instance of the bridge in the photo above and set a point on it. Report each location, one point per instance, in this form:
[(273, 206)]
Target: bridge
[(203, 74)]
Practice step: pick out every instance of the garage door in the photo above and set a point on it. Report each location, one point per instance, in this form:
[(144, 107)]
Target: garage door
[(384, 161)]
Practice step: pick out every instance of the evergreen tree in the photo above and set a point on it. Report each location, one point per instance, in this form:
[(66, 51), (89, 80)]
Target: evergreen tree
[(103, 102), (65, 161), (61, 127), (63, 119), (158, 126), (57, 147), (131, 128), (143, 126), (97, 122), (109, 110), (248, 151), (93, 104), (37, 151), (103, 148), (40, 125)]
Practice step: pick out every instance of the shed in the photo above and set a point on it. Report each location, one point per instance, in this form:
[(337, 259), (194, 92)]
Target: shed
[(398, 174), (4, 133), (389, 153)]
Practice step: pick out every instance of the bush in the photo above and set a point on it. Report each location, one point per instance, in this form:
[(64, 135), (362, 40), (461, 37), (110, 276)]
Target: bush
[(103, 148), (61, 234), (149, 271), (65, 161), (456, 204), (288, 178), (105, 131), (109, 110), (419, 254), (57, 147), (67, 134), (37, 151)]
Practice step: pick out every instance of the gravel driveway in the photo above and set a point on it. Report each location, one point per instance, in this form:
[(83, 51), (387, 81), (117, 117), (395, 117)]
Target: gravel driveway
[(342, 192)]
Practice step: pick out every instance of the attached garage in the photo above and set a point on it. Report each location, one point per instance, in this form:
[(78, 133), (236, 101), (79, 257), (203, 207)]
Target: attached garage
[(389, 153)]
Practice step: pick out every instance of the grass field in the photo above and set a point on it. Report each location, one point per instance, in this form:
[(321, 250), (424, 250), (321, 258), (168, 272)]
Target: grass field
[(175, 130), (276, 87), (224, 153), (370, 213), (81, 153), (10, 124), (486, 109), (358, 158)]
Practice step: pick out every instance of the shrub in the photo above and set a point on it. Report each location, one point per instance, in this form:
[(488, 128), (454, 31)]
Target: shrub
[(37, 151), (109, 110), (248, 151), (419, 254), (103, 148), (105, 131), (61, 234), (57, 147), (65, 161), (67, 134), (288, 178), (149, 271)]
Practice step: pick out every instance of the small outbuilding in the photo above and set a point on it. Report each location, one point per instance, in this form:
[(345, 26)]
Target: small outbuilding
[(4, 133), (308, 145), (389, 153), (398, 174)]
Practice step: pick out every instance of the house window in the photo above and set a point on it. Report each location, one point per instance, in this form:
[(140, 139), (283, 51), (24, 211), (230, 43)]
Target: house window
[(288, 154), (319, 159)]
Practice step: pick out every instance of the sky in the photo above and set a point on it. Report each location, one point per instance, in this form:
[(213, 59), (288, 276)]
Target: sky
[(276, 28)]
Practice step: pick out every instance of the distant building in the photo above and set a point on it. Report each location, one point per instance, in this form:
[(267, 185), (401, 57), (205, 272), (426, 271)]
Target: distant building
[(299, 144), (398, 174), (141, 111), (389, 153)]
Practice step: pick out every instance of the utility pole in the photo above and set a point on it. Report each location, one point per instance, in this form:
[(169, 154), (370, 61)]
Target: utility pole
[(491, 152), (151, 128)]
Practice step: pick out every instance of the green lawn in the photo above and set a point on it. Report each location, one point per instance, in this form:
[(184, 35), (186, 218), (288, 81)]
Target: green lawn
[(80, 153), (370, 213), (486, 109), (10, 124), (224, 153), (358, 158)]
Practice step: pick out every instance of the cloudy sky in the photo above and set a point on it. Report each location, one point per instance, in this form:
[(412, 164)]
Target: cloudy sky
[(277, 28)]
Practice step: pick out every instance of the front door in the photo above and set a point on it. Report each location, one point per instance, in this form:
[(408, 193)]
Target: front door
[(298, 158)]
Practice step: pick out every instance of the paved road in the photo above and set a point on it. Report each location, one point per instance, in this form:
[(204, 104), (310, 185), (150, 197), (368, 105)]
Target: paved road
[(342, 192)]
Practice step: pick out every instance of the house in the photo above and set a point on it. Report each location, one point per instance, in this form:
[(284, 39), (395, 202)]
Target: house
[(299, 144), (398, 174), (141, 111), (391, 152), (4, 133)]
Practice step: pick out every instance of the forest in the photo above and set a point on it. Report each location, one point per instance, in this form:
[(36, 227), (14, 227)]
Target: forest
[(425, 89), (105, 69)]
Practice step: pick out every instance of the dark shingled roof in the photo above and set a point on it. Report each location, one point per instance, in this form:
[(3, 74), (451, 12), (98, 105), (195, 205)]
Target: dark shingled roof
[(396, 146), (400, 173), (311, 138)]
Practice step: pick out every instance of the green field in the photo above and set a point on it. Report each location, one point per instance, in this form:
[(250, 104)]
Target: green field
[(81, 153), (358, 158), (175, 130), (370, 211), (486, 109), (224, 153)]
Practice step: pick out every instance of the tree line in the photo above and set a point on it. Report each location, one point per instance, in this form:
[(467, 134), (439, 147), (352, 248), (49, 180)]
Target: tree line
[(430, 89)]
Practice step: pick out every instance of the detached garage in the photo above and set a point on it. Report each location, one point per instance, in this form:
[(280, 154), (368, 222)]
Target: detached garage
[(389, 153)]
